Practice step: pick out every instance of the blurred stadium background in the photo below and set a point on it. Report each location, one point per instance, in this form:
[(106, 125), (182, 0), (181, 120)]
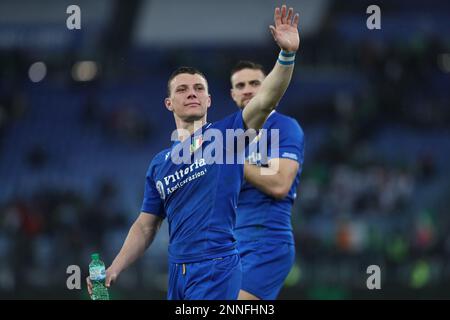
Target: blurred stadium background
[(81, 116)]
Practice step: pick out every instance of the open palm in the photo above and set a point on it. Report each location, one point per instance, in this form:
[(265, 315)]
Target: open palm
[(285, 31)]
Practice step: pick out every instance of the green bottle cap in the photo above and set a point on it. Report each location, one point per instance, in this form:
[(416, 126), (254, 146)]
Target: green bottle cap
[(95, 256)]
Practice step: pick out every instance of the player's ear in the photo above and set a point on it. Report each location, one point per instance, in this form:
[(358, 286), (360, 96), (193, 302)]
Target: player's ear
[(208, 101), (232, 94), (168, 103)]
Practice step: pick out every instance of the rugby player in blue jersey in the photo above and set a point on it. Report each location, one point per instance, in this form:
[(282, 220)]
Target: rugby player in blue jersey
[(199, 198), (263, 226)]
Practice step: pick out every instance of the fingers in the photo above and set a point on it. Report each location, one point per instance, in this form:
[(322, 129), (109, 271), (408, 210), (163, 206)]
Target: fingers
[(89, 285), (283, 14), (110, 278), (295, 20), (289, 16), (109, 281), (277, 17), (272, 31)]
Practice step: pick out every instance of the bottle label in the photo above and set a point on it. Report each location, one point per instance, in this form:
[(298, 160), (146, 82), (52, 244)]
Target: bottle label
[(97, 273)]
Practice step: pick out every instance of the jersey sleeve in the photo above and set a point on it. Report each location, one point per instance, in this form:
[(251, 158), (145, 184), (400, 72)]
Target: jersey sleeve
[(235, 136), (291, 141), (233, 121), (152, 202)]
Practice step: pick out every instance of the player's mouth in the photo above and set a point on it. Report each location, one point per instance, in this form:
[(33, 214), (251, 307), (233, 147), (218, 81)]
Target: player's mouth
[(192, 104), (246, 100)]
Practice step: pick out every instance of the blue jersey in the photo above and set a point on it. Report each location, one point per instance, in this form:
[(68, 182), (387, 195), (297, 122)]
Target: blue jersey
[(261, 217), (198, 199)]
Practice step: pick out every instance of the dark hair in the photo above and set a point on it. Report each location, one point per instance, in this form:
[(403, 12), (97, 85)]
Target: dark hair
[(244, 64), (181, 70)]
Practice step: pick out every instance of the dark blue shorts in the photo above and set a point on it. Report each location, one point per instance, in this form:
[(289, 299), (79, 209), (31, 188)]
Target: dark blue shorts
[(216, 279), (265, 266)]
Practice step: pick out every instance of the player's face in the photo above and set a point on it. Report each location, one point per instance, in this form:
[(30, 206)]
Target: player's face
[(189, 98), (245, 84)]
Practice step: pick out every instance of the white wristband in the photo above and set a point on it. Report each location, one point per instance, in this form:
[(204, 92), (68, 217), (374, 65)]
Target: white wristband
[(286, 58)]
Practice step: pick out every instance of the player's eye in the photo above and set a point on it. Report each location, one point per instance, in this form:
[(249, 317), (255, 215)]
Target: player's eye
[(240, 86), (255, 83)]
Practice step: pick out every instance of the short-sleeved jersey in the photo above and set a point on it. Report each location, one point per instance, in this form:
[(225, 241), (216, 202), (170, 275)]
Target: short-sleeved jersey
[(199, 199), (261, 217)]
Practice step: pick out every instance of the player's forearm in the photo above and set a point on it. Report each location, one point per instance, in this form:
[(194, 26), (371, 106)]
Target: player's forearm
[(269, 95), (285, 34), (274, 86), (266, 180), (138, 240)]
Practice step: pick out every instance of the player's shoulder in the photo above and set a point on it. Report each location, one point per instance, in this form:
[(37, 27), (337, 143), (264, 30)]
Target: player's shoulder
[(282, 121), (160, 158), (227, 120)]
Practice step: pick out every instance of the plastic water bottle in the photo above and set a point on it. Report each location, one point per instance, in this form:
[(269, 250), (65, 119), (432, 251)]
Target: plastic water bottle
[(97, 274)]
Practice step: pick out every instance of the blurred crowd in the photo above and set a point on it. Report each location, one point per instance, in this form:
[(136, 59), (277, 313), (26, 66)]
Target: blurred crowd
[(374, 187)]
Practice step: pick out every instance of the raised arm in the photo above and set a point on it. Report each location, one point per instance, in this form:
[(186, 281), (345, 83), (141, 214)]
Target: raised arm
[(285, 33)]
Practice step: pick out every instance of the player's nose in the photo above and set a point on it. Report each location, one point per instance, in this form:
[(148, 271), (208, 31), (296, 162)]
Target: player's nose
[(249, 91), (248, 94), (191, 94)]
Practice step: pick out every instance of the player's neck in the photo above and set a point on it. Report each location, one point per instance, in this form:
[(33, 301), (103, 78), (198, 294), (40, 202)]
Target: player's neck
[(187, 128)]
